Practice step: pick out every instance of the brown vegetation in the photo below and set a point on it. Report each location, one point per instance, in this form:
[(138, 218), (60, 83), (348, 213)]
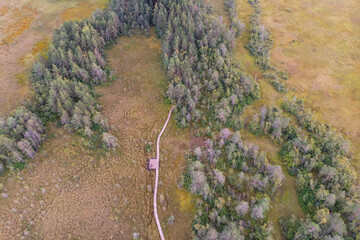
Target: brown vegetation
[(74, 192)]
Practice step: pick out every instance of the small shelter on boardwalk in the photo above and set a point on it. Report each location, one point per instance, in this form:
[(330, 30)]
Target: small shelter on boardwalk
[(153, 163)]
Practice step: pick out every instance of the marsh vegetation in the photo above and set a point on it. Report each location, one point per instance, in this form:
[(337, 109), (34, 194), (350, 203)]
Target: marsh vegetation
[(247, 157)]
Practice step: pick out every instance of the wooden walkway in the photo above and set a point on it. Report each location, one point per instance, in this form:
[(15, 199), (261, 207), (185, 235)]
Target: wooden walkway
[(157, 175)]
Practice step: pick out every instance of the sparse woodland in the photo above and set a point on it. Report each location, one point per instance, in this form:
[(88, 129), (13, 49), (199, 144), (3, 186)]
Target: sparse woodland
[(325, 178), (235, 24), (259, 45), (236, 183)]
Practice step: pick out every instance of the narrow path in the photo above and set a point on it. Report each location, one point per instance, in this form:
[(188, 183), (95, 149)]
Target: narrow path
[(157, 176)]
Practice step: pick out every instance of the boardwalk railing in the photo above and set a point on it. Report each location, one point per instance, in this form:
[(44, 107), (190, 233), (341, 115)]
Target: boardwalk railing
[(156, 167)]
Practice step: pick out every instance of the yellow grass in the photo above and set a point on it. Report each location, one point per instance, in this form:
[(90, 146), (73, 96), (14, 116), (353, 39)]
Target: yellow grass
[(20, 21), (318, 43), (39, 48), (219, 9), (22, 78), (185, 200), (82, 9)]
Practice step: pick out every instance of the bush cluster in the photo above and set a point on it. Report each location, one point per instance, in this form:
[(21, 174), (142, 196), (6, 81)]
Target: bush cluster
[(325, 178), (260, 42), (235, 24), (205, 85), (20, 137), (332, 143), (235, 182)]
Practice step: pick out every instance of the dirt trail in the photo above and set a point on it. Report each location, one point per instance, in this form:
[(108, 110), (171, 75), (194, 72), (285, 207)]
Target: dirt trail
[(72, 192)]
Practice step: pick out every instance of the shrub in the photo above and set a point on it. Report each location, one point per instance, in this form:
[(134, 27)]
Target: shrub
[(235, 24), (109, 140), (259, 210), (242, 208), (280, 87)]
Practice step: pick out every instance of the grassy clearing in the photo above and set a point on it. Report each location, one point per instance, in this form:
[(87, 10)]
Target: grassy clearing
[(285, 204), (317, 42), (138, 113), (82, 9), (219, 9), (39, 194), (109, 195)]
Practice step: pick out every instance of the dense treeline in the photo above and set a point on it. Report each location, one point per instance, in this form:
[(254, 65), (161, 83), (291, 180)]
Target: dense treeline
[(325, 178), (62, 82), (205, 85), (259, 45), (76, 62), (235, 182)]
